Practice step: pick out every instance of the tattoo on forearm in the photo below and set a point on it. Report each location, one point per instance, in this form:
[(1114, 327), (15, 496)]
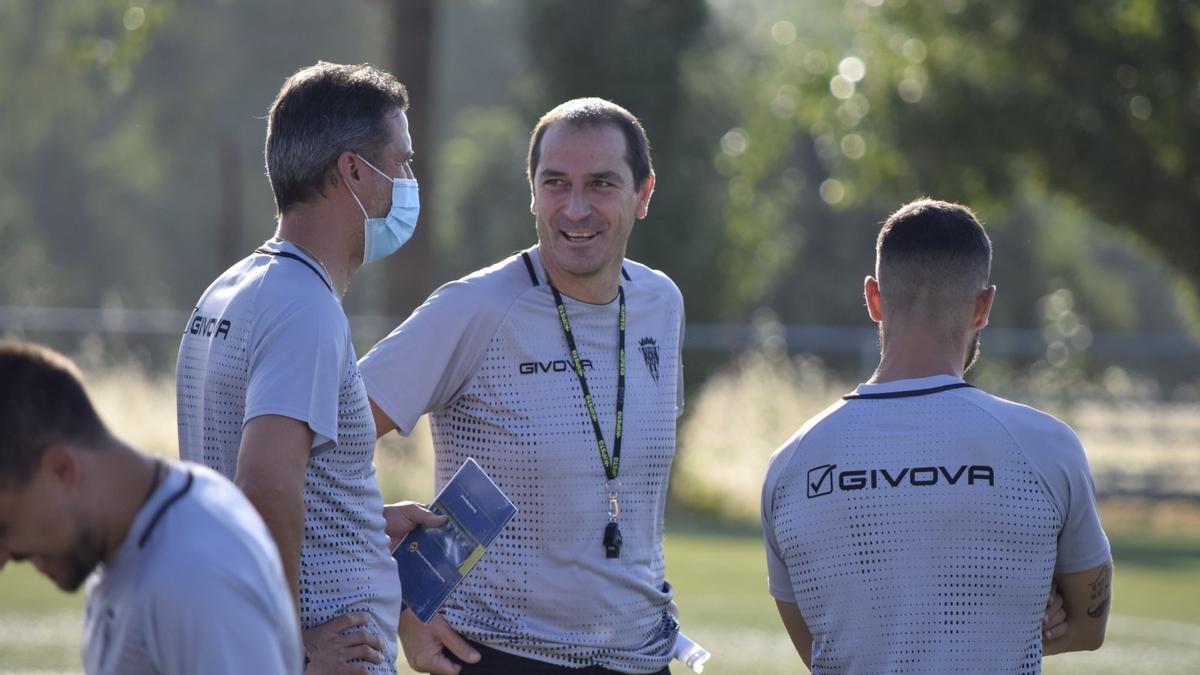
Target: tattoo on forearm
[(1099, 591)]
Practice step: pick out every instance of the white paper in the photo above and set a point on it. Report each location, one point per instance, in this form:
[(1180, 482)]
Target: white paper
[(691, 654)]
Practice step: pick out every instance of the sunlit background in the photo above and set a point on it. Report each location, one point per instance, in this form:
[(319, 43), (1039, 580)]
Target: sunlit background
[(784, 131)]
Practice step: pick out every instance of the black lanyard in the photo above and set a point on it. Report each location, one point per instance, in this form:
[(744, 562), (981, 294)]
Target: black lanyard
[(611, 466)]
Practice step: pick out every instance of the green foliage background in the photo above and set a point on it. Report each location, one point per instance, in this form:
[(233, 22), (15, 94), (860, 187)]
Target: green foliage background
[(784, 132)]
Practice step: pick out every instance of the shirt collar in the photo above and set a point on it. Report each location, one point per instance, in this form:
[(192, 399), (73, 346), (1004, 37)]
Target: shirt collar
[(905, 386), (175, 478)]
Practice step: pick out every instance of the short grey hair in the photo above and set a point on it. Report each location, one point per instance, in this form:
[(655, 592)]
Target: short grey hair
[(320, 112)]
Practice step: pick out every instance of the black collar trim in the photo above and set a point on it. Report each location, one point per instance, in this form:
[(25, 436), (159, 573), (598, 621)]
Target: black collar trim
[(293, 256), (163, 509), (529, 266), (908, 394)]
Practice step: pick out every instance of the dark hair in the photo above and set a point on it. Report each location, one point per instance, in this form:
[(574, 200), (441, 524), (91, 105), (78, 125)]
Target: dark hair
[(320, 112), (930, 255), (594, 112), (42, 401)]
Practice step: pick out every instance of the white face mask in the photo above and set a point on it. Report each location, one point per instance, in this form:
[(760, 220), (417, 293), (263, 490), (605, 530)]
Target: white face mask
[(384, 236)]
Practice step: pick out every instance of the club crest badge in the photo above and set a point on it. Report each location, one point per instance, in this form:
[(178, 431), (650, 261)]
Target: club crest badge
[(650, 354)]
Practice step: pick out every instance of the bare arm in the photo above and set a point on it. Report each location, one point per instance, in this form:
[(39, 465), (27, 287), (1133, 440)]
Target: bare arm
[(1086, 598), (270, 471), (383, 423), (797, 630)]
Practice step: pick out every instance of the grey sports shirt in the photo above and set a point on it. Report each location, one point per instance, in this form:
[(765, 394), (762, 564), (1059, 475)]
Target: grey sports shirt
[(486, 356), (196, 587), (917, 526), (269, 337)]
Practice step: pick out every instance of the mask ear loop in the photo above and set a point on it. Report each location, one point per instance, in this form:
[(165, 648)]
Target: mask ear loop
[(364, 159), (356, 199)]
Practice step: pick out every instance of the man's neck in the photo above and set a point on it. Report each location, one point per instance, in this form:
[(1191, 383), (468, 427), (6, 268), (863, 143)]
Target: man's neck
[(130, 479), (597, 289), (915, 355), (316, 234)]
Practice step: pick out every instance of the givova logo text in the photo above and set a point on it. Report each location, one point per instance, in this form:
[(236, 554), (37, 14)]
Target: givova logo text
[(558, 366), (823, 479)]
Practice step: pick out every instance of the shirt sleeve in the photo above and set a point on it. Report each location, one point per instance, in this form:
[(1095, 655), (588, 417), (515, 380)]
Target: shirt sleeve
[(1082, 543), (424, 363), (779, 581), (1055, 451), (298, 356)]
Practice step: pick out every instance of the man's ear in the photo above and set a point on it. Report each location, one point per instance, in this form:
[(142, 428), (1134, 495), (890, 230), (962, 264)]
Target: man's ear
[(350, 169), (61, 464), (983, 308), (644, 194), (874, 301)]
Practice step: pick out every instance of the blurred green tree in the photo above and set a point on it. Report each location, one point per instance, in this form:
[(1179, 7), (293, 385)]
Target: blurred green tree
[(1098, 100), (66, 138), (1049, 118), (127, 135), (974, 100)]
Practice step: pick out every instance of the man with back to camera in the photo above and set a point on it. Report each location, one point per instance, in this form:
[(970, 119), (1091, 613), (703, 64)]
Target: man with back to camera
[(918, 524), (559, 370), (184, 576), (269, 392)]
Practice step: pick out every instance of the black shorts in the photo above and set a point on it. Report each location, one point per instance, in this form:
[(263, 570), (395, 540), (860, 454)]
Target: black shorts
[(496, 662)]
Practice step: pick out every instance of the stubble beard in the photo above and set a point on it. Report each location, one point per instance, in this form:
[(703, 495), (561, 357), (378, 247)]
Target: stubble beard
[(81, 560), (973, 351), (572, 262)]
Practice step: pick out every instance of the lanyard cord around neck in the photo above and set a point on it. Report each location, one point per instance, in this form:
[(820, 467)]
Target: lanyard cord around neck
[(611, 466)]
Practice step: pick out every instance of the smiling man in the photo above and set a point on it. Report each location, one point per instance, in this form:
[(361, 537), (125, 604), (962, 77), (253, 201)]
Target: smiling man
[(559, 371)]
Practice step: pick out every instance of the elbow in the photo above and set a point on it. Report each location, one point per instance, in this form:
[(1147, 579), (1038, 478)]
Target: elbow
[(1093, 642), (1075, 641), (1087, 642), (270, 494), (258, 488)]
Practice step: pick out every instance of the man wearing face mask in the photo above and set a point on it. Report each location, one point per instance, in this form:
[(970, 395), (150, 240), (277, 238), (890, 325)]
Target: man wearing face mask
[(269, 392)]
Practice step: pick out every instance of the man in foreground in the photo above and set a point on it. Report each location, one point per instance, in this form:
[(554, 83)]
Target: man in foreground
[(559, 371), (187, 579), (269, 392), (918, 524)]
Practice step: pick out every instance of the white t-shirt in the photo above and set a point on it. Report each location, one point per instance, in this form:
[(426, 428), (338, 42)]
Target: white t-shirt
[(917, 525), (487, 358), (269, 337), (196, 587)]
